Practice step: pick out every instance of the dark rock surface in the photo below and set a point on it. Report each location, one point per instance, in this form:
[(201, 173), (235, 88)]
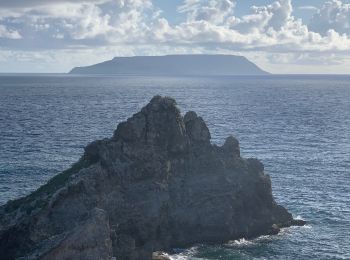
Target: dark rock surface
[(158, 183)]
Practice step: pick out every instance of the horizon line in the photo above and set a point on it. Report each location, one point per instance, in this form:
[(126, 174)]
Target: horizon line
[(172, 75)]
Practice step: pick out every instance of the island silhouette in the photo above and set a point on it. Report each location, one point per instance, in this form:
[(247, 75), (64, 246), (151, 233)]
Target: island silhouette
[(209, 65)]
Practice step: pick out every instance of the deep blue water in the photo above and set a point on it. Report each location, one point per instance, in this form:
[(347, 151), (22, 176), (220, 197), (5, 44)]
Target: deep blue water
[(299, 126)]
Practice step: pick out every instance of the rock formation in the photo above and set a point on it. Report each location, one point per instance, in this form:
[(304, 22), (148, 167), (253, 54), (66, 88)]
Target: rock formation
[(158, 183)]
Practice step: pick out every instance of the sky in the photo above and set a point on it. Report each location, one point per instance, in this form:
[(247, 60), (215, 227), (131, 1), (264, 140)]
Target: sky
[(281, 36)]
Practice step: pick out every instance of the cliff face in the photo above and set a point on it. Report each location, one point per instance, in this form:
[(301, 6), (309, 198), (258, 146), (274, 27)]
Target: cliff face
[(158, 183)]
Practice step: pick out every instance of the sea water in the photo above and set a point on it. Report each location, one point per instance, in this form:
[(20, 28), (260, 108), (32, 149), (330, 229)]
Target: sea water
[(299, 126)]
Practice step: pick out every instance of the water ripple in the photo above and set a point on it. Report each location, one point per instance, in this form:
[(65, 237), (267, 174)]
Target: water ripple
[(298, 127)]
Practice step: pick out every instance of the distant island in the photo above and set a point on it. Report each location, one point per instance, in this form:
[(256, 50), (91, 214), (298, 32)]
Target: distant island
[(211, 65)]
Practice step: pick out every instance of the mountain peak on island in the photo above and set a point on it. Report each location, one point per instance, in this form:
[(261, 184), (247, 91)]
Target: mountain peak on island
[(186, 65)]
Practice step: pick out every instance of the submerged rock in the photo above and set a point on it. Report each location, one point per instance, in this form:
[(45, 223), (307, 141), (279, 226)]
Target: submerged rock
[(158, 183)]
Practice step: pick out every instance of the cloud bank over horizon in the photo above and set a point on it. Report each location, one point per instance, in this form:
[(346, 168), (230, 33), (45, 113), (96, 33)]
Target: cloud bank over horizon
[(45, 36)]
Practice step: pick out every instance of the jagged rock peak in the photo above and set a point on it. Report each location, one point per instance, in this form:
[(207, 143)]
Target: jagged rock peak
[(196, 127), (160, 123), (158, 102), (158, 118), (190, 116), (231, 146)]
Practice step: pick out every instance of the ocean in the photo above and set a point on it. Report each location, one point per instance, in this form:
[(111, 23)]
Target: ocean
[(299, 126)]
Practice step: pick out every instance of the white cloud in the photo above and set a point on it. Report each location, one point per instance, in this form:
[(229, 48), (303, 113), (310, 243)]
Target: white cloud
[(211, 11), (333, 15), (9, 34), (314, 59), (273, 16), (84, 21), (33, 3), (124, 27), (270, 28)]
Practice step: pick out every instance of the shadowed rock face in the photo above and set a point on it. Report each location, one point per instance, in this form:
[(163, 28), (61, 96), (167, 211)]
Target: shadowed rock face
[(158, 183)]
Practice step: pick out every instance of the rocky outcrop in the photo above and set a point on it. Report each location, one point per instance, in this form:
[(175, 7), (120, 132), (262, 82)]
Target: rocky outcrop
[(158, 183)]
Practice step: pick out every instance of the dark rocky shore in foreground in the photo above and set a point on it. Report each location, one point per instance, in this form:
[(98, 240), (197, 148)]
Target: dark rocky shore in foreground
[(157, 184)]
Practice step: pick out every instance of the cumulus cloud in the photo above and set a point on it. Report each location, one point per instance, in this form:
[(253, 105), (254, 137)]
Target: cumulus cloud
[(127, 27), (80, 22), (333, 15), (211, 11), (270, 28), (273, 16), (209, 23), (32, 3), (9, 34), (314, 59)]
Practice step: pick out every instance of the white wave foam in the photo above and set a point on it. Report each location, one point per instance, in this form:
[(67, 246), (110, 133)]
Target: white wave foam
[(240, 242), (265, 238), (186, 254), (306, 226), (298, 217)]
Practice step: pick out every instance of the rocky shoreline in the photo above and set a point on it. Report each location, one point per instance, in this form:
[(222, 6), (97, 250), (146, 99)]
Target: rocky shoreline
[(156, 184)]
